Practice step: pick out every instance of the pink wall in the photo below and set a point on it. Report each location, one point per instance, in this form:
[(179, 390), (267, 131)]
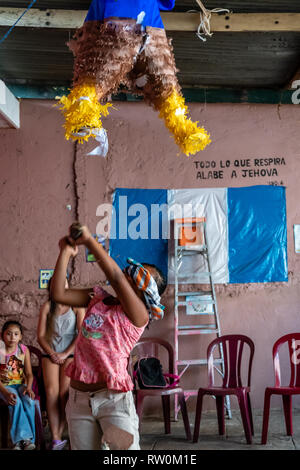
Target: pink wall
[(41, 174)]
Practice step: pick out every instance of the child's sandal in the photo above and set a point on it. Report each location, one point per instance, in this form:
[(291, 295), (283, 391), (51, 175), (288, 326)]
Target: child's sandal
[(58, 444)]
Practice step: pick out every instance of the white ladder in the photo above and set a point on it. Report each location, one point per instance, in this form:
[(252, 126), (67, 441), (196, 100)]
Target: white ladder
[(190, 240)]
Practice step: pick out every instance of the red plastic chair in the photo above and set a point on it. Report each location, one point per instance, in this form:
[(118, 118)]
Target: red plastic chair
[(293, 342), (150, 347), (233, 348), (37, 388)]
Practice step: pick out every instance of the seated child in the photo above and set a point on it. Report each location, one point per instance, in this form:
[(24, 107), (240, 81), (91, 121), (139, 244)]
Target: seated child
[(15, 386), (100, 396)]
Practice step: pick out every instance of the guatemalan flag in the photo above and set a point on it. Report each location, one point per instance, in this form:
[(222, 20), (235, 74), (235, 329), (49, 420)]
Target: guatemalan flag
[(245, 229)]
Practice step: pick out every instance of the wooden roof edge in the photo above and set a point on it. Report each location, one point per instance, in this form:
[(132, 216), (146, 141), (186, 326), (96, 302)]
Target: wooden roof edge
[(173, 21), (195, 95)]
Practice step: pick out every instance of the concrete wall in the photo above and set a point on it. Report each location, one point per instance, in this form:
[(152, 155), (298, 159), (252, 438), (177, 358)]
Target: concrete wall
[(42, 174)]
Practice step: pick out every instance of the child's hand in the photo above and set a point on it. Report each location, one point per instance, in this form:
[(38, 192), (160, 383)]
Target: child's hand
[(80, 233), (55, 358), (11, 398), (68, 245), (29, 392), (61, 357)]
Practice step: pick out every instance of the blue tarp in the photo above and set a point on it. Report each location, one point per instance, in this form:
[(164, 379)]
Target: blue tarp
[(131, 218), (257, 234)]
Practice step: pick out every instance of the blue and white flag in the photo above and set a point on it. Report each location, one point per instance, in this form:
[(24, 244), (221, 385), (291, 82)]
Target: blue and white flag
[(245, 228)]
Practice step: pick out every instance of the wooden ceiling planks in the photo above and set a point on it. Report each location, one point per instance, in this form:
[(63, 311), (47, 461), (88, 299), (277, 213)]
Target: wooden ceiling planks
[(254, 60)]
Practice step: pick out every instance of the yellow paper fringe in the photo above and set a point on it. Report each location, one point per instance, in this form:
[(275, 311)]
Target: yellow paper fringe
[(82, 109), (189, 137)]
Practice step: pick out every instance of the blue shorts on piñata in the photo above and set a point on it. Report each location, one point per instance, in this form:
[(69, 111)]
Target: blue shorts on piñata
[(100, 10)]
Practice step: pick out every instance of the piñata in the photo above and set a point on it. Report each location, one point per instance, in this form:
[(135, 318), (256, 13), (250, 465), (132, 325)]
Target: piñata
[(123, 42)]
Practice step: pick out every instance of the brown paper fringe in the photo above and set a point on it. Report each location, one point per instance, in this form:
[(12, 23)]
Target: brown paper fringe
[(108, 56)]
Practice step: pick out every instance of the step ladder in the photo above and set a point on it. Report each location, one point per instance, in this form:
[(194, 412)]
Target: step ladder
[(190, 241)]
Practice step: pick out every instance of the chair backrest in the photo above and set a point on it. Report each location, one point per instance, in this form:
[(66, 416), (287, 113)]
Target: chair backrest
[(150, 347), (233, 349), (38, 353), (37, 371), (293, 342)]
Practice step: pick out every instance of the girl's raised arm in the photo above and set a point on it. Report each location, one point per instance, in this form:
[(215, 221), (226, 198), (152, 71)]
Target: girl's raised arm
[(132, 305), (59, 293)]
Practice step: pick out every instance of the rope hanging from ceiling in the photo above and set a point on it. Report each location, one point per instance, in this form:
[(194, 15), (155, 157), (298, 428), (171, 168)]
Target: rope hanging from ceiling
[(205, 16)]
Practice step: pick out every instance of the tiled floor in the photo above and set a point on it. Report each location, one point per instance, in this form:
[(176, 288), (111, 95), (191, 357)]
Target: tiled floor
[(153, 437)]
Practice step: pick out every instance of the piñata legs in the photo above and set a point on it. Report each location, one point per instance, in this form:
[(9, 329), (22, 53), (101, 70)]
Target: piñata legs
[(104, 55), (163, 92), (119, 52)]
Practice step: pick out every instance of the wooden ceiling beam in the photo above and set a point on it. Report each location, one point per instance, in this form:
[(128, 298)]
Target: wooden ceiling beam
[(233, 22)]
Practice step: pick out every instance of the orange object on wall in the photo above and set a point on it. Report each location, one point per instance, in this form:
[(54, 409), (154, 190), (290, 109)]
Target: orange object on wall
[(191, 234)]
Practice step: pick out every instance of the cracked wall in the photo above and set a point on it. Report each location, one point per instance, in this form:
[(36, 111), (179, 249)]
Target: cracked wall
[(46, 183)]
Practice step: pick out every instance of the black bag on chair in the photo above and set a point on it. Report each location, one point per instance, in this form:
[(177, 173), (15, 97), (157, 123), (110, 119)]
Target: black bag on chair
[(149, 374)]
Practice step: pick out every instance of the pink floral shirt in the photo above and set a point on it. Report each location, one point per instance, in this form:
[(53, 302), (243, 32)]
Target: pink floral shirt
[(104, 344)]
